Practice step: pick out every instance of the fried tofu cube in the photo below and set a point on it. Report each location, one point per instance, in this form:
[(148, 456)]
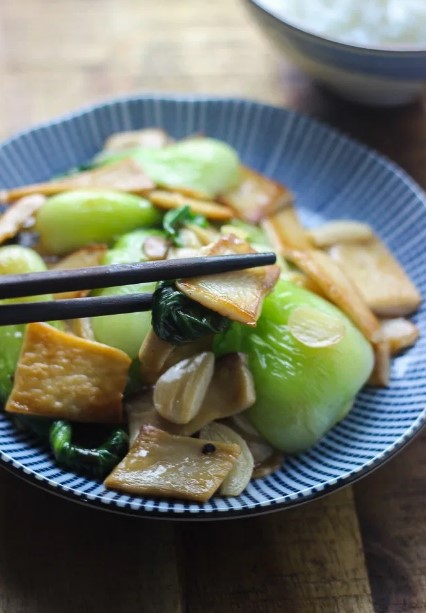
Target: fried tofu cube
[(162, 464), (62, 376), (382, 282), (257, 196)]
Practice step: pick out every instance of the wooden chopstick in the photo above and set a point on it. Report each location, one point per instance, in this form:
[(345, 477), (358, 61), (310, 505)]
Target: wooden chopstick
[(31, 284), (55, 281)]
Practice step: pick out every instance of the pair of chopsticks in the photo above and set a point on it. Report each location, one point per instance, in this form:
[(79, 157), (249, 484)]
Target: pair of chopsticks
[(55, 281)]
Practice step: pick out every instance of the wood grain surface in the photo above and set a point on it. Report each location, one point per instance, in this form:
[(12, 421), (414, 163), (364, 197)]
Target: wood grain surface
[(360, 550)]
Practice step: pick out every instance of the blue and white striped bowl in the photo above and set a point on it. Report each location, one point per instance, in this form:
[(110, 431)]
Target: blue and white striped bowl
[(386, 75), (333, 177)]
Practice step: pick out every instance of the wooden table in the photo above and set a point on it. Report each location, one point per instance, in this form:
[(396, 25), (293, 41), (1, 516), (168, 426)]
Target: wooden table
[(359, 550)]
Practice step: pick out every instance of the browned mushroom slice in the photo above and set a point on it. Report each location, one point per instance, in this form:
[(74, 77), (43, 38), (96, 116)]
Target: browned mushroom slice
[(286, 232), (156, 247), (266, 459), (19, 215), (83, 258), (156, 355), (125, 176), (80, 327), (173, 200), (204, 235), (136, 408), (340, 231), (161, 464), (65, 377), (180, 390), (337, 288), (381, 280), (152, 138), (381, 371), (237, 295), (231, 391), (256, 197), (400, 333)]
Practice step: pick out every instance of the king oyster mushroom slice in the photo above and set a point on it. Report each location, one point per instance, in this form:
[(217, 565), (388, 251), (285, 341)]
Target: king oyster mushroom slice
[(240, 474), (237, 295), (266, 459), (161, 464), (19, 215), (136, 408), (340, 231), (399, 332), (156, 355), (154, 138), (180, 391), (231, 391), (380, 279)]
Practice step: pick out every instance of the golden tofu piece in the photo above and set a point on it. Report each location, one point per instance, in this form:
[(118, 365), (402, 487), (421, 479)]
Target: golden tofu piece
[(286, 232), (382, 282), (125, 176), (18, 215), (256, 197), (337, 288), (173, 200), (62, 376), (86, 257), (237, 295), (161, 464)]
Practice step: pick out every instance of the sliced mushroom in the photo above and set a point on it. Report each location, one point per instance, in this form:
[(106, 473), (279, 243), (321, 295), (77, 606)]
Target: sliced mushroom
[(83, 258), (19, 215), (266, 459), (256, 196), (240, 474), (380, 279), (205, 235), (65, 377), (286, 232), (156, 247), (156, 355), (160, 464), (125, 175), (189, 239), (337, 288), (381, 371), (152, 355), (236, 295), (152, 138), (302, 280), (180, 391), (174, 200), (400, 333), (136, 409), (340, 231), (80, 327)]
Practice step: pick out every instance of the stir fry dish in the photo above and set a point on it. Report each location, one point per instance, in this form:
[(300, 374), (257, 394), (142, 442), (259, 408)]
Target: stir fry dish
[(229, 372)]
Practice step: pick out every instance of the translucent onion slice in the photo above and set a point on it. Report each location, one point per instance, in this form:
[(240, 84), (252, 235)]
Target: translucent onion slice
[(313, 328)]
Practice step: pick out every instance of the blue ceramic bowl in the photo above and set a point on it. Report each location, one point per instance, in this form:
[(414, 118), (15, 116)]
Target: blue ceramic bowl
[(381, 75), (332, 177)]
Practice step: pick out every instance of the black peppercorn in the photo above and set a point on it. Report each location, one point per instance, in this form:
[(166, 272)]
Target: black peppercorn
[(208, 448)]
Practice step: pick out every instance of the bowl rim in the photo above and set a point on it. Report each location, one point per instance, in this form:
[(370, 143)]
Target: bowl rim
[(401, 50), (62, 490)]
